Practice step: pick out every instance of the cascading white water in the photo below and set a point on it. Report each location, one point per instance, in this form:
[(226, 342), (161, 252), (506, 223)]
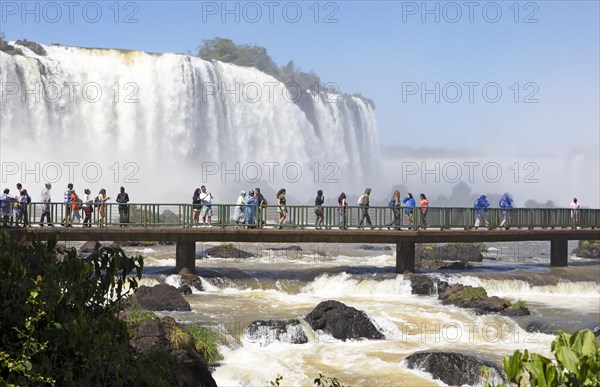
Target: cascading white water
[(173, 115)]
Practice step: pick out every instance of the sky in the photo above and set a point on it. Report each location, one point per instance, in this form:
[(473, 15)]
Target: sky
[(506, 80)]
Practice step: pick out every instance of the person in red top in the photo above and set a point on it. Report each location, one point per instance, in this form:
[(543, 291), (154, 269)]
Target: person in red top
[(75, 208), (424, 204)]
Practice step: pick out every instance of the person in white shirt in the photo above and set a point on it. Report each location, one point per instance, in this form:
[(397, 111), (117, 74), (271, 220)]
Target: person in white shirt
[(46, 199), (206, 199), (575, 212)]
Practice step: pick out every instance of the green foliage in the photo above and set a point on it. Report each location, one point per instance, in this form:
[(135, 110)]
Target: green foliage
[(519, 304), (588, 242), (469, 294), (136, 316), (323, 381), (206, 342), (577, 363), (225, 50), (59, 317)]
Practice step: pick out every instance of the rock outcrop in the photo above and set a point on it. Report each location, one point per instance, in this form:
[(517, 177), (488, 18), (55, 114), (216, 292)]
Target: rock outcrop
[(267, 332), (160, 297), (342, 322)]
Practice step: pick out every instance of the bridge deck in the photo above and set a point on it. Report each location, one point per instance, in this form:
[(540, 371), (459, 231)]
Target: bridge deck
[(185, 238)]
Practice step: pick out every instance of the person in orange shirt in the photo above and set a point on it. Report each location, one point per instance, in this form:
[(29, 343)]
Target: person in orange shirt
[(74, 208), (424, 204)]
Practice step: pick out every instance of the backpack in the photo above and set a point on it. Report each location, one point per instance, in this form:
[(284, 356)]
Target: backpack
[(361, 200), (96, 202), (392, 203)]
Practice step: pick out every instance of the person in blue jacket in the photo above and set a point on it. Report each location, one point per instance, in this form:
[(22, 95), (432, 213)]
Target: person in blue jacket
[(409, 203), (251, 206), (481, 206), (506, 204)]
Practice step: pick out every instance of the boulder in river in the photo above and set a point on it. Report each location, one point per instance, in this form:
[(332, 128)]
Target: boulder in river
[(588, 249), (225, 250), (454, 368), (342, 322), (160, 297), (267, 332)]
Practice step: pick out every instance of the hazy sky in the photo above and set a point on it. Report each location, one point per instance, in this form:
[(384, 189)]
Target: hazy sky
[(501, 79)]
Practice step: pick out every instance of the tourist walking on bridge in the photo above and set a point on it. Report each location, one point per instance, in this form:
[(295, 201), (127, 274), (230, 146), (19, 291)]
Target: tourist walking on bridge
[(342, 210), (46, 199), (575, 212), (24, 200), (319, 200), (87, 208), (481, 206), (75, 205), (424, 204), (281, 207), (506, 204), (363, 202), (395, 204), (67, 199)]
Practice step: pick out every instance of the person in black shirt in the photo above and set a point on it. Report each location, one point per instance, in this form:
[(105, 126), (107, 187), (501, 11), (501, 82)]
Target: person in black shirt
[(122, 199)]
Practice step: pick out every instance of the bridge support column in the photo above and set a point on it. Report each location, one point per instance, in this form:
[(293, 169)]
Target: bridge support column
[(405, 257), (559, 252), (185, 257)]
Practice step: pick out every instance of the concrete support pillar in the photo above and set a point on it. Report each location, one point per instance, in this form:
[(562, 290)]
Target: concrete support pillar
[(405, 257), (185, 257), (559, 252)]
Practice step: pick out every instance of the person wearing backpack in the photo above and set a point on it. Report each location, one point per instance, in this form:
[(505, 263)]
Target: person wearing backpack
[(363, 202), (395, 205), (342, 209), (506, 204)]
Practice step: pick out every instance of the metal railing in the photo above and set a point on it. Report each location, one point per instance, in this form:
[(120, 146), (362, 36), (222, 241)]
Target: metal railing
[(185, 215)]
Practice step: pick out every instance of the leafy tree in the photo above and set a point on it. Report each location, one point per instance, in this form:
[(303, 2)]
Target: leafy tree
[(59, 318)]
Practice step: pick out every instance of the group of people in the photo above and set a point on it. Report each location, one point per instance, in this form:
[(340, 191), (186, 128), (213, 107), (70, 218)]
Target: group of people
[(14, 209)]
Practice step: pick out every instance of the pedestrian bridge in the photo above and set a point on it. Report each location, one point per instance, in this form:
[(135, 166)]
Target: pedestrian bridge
[(176, 223)]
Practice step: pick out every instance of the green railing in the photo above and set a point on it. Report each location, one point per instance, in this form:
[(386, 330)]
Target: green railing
[(183, 215)]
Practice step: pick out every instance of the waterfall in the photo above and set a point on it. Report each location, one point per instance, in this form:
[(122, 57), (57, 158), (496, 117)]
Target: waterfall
[(173, 116)]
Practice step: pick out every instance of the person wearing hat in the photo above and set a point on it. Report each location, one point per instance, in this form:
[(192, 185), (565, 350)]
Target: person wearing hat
[(240, 209)]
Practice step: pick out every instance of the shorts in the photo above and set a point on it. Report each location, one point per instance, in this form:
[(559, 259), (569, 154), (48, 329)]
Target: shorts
[(206, 211)]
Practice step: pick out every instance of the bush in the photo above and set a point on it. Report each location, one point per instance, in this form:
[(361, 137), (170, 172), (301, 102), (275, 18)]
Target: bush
[(206, 342), (469, 294), (59, 317)]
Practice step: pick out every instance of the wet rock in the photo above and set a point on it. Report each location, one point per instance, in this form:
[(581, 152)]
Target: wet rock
[(9, 49), (596, 331), (423, 284), (342, 322), (587, 250), (455, 368), (191, 281), (90, 247), (153, 336), (225, 251), (540, 327), (464, 252), (267, 332), (33, 46), (185, 290), (477, 299), (444, 265), (160, 297), (376, 247)]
